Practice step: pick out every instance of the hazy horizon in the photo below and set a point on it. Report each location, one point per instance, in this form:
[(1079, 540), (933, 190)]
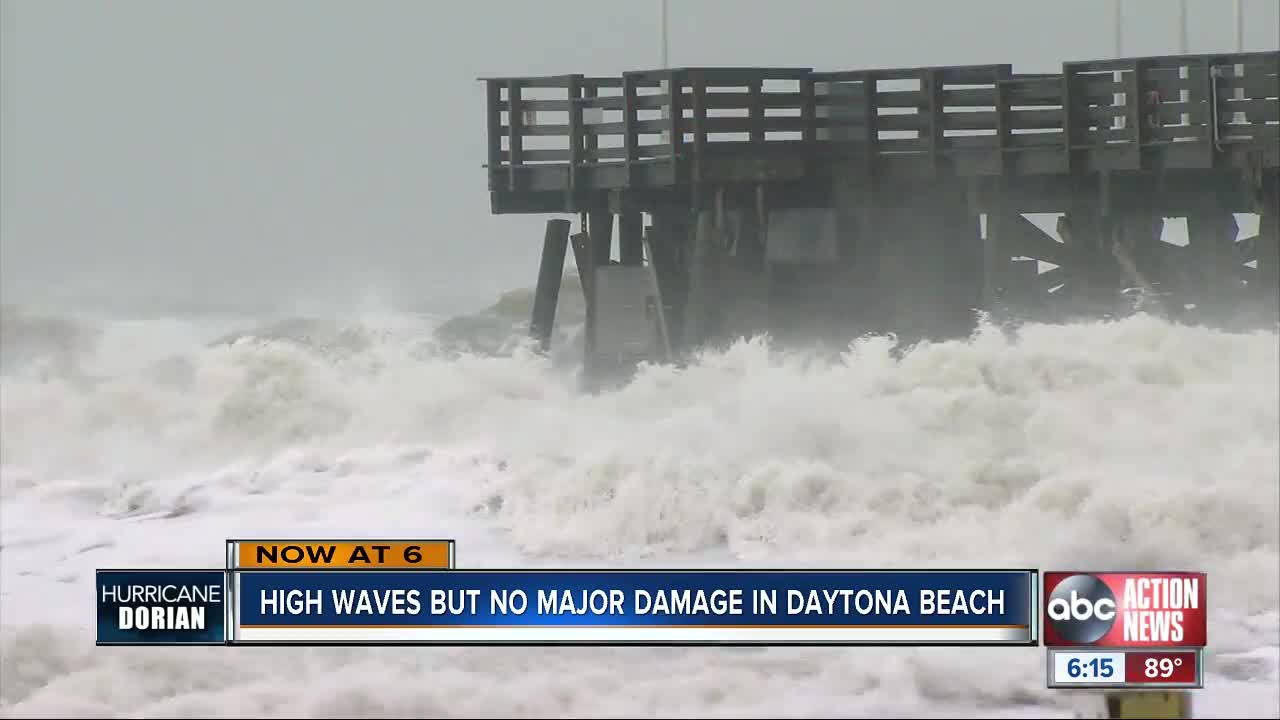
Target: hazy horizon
[(261, 153)]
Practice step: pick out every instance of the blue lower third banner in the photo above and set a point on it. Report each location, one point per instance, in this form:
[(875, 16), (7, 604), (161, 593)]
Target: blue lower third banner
[(161, 607), (650, 607)]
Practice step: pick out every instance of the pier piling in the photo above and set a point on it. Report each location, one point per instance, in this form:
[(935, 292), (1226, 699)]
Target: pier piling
[(546, 294)]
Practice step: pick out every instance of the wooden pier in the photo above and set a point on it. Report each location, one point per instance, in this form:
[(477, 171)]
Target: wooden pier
[(815, 204)]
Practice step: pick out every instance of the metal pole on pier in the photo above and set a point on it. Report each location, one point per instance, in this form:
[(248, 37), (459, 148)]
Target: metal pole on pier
[(1184, 95), (1182, 27), (1239, 25), (1117, 27), (664, 85), (662, 19), (1238, 17)]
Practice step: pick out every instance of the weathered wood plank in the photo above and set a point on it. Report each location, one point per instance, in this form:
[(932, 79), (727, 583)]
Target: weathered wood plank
[(1256, 111), (901, 98), (744, 100), (970, 97), (1036, 119)]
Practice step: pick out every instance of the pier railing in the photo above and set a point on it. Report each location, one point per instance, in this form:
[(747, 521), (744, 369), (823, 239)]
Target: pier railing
[(575, 133)]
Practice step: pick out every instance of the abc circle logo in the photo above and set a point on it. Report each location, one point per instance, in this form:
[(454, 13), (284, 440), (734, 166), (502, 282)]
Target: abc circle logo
[(1081, 609)]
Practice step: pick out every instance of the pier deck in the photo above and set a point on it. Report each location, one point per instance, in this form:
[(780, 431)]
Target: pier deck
[(887, 199), (557, 144)]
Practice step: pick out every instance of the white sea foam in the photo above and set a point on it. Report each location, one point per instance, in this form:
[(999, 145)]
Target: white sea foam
[(1132, 444)]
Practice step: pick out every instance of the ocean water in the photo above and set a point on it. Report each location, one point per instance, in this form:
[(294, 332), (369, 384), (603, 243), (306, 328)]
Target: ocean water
[(146, 441)]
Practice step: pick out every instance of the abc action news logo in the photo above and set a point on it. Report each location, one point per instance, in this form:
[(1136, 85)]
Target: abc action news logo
[(1125, 609)]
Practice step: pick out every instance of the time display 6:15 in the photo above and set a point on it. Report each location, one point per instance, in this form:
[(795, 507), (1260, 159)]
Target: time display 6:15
[(1089, 668)]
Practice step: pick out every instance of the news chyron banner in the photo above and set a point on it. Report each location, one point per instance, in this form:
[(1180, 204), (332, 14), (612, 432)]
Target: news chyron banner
[(1125, 629), (410, 592)]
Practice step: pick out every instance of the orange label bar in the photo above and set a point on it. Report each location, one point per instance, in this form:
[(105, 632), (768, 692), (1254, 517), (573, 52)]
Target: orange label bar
[(341, 554)]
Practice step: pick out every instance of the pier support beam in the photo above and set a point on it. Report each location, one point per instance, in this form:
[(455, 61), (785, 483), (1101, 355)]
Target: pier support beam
[(1266, 282), (995, 250), (701, 310), (600, 227), (581, 244), (1211, 233), (669, 245), (1092, 283), (1014, 288), (965, 269), (728, 287), (546, 294), (931, 263), (592, 251), (631, 237), (1134, 253), (788, 278)]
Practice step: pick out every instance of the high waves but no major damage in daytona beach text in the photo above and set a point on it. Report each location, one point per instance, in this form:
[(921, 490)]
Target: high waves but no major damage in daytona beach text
[(1132, 444)]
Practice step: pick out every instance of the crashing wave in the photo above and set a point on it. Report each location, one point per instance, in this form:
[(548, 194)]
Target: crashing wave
[(502, 327), (60, 342)]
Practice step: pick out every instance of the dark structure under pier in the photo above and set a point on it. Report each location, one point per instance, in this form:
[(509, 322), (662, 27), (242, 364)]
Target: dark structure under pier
[(818, 205)]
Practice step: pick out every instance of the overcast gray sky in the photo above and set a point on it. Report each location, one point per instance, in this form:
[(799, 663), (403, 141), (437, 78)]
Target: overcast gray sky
[(250, 150)]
